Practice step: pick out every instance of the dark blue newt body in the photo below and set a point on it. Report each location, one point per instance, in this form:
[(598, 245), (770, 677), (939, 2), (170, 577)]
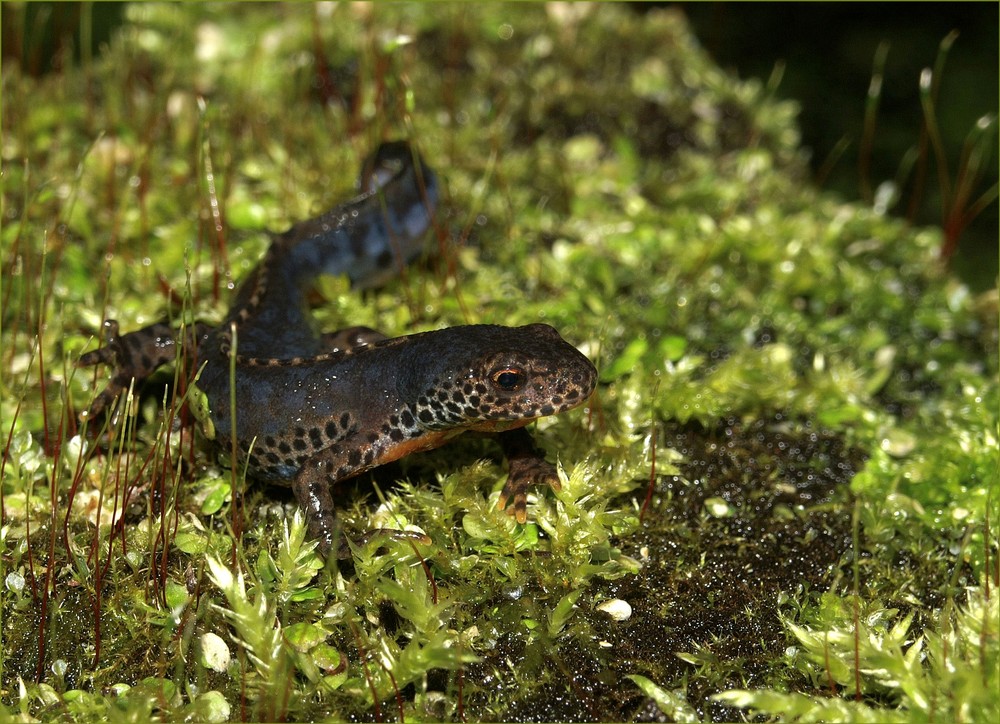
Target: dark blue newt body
[(313, 409)]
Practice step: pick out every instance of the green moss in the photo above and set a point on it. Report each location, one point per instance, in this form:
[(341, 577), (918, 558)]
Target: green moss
[(813, 401)]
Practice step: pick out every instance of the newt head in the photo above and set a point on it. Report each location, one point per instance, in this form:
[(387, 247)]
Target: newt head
[(510, 376)]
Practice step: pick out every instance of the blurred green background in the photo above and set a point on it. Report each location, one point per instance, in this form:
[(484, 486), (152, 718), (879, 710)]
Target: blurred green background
[(826, 52)]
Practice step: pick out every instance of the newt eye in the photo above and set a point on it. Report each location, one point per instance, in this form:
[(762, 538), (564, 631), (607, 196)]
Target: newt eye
[(508, 378)]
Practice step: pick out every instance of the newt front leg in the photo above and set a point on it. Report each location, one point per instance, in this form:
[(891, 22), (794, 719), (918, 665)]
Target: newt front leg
[(527, 468)]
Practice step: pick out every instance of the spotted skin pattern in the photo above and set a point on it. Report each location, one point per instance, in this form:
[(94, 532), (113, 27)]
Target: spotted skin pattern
[(315, 409)]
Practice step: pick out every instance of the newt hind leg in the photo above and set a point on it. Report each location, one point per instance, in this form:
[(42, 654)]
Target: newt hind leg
[(132, 356), (312, 487), (346, 339)]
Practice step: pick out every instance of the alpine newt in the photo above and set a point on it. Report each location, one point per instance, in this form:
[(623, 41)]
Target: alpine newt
[(314, 409)]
